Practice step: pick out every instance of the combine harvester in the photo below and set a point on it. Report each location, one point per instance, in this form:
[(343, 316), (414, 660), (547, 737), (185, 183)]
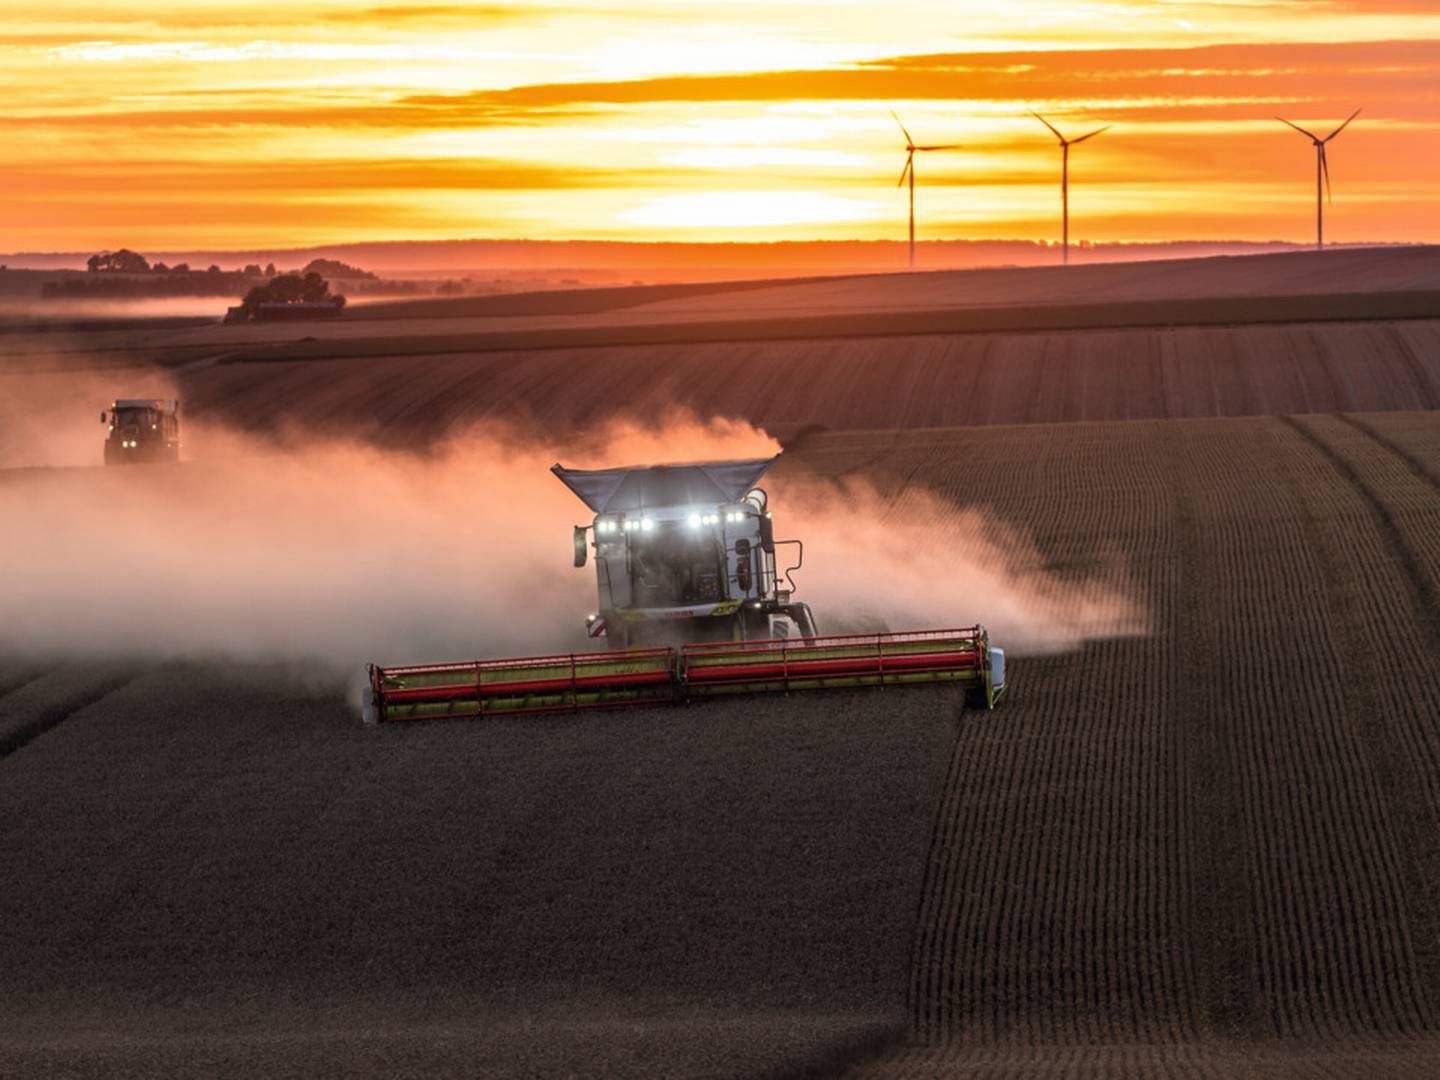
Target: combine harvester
[(694, 607)]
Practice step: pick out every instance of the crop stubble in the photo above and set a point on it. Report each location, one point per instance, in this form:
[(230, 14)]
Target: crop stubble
[(1224, 834)]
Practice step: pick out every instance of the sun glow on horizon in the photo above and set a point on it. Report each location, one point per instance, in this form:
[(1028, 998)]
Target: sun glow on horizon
[(323, 122)]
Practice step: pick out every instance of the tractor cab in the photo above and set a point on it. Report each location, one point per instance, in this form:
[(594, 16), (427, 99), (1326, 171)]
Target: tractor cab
[(685, 553), (142, 430)]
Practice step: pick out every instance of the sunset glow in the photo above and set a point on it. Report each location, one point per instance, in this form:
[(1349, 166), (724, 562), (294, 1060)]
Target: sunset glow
[(225, 125)]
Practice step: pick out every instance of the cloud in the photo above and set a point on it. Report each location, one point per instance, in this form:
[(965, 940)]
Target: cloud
[(1392, 78), (1218, 73), (341, 178)]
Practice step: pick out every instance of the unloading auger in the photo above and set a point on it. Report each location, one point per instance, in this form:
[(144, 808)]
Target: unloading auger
[(691, 598)]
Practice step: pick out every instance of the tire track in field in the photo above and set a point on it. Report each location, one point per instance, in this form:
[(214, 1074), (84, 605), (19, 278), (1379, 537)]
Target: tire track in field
[(19, 677), (1424, 596), (16, 734), (1418, 467), (1405, 753), (1367, 798), (1052, 903), (1326, 909)]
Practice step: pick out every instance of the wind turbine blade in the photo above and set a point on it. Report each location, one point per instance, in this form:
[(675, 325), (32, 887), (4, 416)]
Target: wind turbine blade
[(909, 164), (952, 146), (1049, 125), (1297, 127), (1343, 126), (1092, 134), (909, 142), (1325, 168)]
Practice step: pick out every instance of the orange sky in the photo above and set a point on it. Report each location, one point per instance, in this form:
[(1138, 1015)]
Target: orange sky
[(205, 123)]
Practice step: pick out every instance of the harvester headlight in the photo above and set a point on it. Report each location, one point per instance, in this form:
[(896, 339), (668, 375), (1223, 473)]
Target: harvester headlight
[(694, 521), (646, 524), (734, 517), (712, 519)]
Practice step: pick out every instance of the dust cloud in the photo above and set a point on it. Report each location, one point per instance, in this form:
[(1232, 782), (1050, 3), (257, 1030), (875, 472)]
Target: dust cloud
[(875, 560), (52, 418), (330, 552), (336, 553)]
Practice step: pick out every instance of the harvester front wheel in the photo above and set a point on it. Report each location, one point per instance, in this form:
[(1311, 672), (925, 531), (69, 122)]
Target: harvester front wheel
[(755, 625)]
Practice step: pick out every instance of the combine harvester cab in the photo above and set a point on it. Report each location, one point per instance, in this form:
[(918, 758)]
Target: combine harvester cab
[(685, 553), (142, 431), (691, 598)]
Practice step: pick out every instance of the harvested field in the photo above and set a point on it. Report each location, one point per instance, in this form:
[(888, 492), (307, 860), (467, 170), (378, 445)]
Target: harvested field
[(1212, 851), (898, 382), (1300, 273)]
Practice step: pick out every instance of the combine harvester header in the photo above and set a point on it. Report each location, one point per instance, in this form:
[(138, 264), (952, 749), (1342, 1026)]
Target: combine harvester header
[(668, 675), (694, 605)]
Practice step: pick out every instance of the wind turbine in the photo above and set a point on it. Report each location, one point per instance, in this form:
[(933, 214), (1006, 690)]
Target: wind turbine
[(1065, 145), (910, 151), (1322, 172)]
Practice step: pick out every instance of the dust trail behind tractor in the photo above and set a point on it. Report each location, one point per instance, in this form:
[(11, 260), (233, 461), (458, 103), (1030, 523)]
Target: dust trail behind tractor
[(668, 676)]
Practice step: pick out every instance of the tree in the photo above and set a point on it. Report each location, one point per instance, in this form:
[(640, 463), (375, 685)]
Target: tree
[(182, 268), (160, 268), (252, 270), (123, 261), (213, 269), (270, 270), (336, 269), (290, 289)]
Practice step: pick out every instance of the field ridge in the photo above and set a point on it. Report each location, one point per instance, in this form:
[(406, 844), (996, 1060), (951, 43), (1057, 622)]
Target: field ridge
[(18, 727)]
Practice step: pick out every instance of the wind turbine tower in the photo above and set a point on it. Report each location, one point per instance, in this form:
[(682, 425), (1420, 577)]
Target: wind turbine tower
[(1065, 145), (910, 151), (1322, 173)]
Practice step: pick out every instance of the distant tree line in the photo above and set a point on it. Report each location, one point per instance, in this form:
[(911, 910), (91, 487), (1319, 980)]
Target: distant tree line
[(126, 274), (176, 282), (309, 288)]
